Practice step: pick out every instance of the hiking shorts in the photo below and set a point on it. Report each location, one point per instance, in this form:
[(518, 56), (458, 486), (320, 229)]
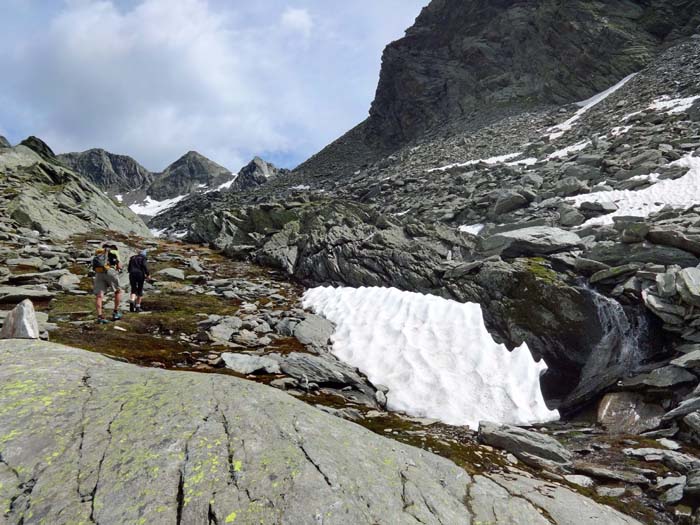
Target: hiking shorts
[(106, 281), (136, 280)]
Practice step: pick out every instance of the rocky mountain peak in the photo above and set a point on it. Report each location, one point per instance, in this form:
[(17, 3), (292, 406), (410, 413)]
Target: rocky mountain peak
[(190, 172), (4, 143), (39, 146), (116, 174), (255, 173)]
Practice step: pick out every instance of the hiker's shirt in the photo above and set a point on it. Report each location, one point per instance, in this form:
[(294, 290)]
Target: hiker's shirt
[(138, 265)]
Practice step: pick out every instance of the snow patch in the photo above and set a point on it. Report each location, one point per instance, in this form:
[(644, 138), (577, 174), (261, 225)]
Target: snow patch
[(565, 152), (301, 187), (474, 229), (560, 129), (119, 198), (435, 356), (158, 233), (675, 105), (492, 160), (678, 193), (153, 207)]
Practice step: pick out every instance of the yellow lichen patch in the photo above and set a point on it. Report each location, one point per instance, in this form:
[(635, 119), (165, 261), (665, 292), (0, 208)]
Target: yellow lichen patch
[(231, 517)]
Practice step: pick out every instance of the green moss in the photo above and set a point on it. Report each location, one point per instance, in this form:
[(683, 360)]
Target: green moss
[(541, 270)]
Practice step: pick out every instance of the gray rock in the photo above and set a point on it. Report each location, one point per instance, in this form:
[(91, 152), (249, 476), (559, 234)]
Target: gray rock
[(314, 330), (628, 413), (675, 460), (15, 294), (664, 378), (666, 284), (249, 364), (518, 441), (691, 360), (172, 273), (602, 472), (582, 481), (673, 488), (69, 281), (688, 285), (324, 369), (21, 323), (692, 486), (538, 240)]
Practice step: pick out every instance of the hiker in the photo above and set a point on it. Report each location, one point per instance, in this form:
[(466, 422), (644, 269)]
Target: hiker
[(107, 265), (138, 274)]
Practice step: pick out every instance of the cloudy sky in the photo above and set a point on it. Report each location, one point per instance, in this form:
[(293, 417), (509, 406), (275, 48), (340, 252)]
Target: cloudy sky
[(156, 78)]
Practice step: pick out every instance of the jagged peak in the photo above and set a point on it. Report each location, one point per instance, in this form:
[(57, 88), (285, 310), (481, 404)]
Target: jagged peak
[(38, 146)]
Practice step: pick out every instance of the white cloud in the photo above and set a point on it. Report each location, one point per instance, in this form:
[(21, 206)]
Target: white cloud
[(156, 78), (298, 20)]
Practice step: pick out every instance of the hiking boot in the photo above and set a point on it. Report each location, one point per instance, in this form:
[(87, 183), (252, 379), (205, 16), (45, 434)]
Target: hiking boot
[(116, 316), (137, 309), (132, 306), (101, 320)]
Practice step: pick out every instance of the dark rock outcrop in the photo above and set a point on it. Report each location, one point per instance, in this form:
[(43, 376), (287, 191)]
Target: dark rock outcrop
[(4, 143), (116, 174)]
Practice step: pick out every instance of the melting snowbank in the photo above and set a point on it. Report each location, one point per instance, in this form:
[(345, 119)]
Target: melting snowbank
[(681, 192), (435, 355)]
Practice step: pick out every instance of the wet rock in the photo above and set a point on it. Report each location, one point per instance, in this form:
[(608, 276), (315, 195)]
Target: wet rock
[(666, 377), (628, 413), (518, 441), (21, 323), (690, 360), (249, 364)]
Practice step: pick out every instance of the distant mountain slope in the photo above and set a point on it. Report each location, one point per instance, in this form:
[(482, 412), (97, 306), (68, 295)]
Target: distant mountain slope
[(467, 63), (189, 173), (116, 174), (40, 193)]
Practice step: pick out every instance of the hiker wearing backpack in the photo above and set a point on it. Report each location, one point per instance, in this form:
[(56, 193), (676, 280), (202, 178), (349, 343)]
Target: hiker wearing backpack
[(138, 274), (107, 265)]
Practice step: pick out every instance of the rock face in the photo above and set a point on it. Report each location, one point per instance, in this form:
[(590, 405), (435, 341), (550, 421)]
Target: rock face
[(116, 174), (4, 143), (466, 62), (41, 194), (186, 174), (21, 323), (255, 173), (129, 445)]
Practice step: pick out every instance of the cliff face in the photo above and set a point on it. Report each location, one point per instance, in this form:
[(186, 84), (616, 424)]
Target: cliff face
[(116, 174), (461, 57), (466, 63)]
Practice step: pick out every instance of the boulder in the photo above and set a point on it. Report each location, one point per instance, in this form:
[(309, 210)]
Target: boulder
[(537, 240), (324, 369), (172, 273), (519, 441), (21, 323), (314, 330), (683, 463), (249, 364), (688, 285), (662, 378), (15, 294), (628, 413), (690, 360)]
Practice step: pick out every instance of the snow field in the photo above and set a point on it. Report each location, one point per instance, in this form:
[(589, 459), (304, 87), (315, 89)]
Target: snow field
[(435, 356), (153, 207), (681, 192)]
